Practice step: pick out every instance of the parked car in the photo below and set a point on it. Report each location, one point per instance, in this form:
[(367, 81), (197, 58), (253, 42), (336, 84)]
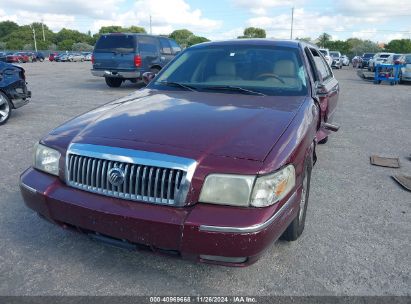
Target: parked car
[(88, 56), (62, 57), (17, 58), (39, 56), (337, 61), (394, 59), (365, 58), (405, 72), (327, 56), (211, 161), (13, 90), (119, 57), (75, 57), (378, 59), (345, 60), (52, 56)]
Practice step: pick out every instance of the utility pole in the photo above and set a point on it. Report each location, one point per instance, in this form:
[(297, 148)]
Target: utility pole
[(42, 27), (292, 22), (151, 30), (34, 37)]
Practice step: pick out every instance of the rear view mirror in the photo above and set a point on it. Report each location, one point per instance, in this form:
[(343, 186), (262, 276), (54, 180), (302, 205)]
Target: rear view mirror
[(147, 77)]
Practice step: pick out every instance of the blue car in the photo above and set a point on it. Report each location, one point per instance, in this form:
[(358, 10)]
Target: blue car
[(120, 56), (13, 90)]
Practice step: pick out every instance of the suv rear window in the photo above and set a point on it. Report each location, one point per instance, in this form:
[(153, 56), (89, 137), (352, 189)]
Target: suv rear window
[(115, 43)]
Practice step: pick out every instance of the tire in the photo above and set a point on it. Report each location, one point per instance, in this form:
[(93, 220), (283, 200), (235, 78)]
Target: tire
[(113, 82), (296, 227), (5, 108)]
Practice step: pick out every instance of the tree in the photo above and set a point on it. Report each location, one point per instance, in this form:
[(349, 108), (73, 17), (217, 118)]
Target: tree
[(82, 47), (3, 46), (196, 40), (7, 27), (399, 46), (136, 29), (253, 32), (66, 45), (182, 37), (323, 39)]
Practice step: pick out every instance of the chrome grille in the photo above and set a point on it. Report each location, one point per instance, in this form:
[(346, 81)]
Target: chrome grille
[(142, 181)]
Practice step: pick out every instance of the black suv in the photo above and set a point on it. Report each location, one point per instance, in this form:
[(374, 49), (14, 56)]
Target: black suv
[(121, 56)]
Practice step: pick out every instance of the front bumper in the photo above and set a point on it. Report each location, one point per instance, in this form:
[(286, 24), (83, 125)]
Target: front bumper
[(203, 232), (116, 73)]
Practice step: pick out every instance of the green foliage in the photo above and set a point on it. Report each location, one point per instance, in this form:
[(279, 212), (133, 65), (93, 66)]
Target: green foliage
[(6, 27), (323, 39), (120, 29), (253, 32), (181, 37), (196, 40), (82, 47), (66, 45), (185, 38), (401, 46)]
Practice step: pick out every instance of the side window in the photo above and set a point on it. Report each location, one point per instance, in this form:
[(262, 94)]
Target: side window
[(165, 46), (321, 65), (147, 44), (174, 46)]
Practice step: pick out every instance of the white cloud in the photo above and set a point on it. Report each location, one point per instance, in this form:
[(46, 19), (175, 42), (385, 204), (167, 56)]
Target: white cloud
[(312, 24), (375, 8)]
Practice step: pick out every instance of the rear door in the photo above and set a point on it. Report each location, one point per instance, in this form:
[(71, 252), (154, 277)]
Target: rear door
[(149, 50), (115, 52), (166, 51)]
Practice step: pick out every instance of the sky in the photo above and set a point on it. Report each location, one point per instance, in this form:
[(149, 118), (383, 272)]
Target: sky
[(377, 20)]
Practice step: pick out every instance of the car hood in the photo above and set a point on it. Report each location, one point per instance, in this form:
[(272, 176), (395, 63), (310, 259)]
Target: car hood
[(230, 125)]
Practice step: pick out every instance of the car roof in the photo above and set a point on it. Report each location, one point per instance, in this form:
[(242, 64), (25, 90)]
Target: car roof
[(255, 42)]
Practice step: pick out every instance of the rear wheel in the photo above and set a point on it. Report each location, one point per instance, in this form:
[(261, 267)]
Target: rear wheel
[(296, 228), (113, 82), (5, 108)]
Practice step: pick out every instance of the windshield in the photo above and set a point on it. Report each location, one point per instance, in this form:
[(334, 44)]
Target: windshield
[(408, 59), (265, 70), (335, 54), (385, 56), (368, 55), (115, 44)]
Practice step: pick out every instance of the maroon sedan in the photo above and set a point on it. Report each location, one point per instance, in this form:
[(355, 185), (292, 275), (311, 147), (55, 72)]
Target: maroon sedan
[(211, 161)]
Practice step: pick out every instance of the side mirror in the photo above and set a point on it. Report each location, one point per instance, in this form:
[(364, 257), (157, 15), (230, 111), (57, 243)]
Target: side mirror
[(147, 77), (320, 88)]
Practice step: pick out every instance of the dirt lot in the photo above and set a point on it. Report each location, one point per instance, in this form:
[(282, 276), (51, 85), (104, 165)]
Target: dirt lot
[(357, 235)]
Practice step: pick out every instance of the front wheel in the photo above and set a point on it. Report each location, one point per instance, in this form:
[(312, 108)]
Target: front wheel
[(113, 82), (296, 228), (5, 108)]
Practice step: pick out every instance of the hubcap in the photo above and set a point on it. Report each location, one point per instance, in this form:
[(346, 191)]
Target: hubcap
[(4, 109), (303, 200)]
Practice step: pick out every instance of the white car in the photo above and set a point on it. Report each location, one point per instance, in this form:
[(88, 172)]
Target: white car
[(345, 60), (378, 59), (327, 56)]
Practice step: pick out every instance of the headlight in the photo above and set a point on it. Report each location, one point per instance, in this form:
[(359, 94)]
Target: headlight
[(271, 188), (246, 190), (46, 159), (227, 189)]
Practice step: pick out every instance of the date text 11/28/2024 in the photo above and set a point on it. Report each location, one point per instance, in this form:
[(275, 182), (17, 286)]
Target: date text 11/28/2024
[(203, 299)]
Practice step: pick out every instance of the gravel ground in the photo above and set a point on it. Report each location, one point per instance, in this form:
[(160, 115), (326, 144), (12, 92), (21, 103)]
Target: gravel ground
[(357, 235)]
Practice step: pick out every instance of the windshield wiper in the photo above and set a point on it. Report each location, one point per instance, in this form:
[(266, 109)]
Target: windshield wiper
[(234, 89), (178, 84)]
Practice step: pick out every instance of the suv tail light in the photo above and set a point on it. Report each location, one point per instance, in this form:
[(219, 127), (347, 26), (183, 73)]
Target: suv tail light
[(92, 58), (137, 61)]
